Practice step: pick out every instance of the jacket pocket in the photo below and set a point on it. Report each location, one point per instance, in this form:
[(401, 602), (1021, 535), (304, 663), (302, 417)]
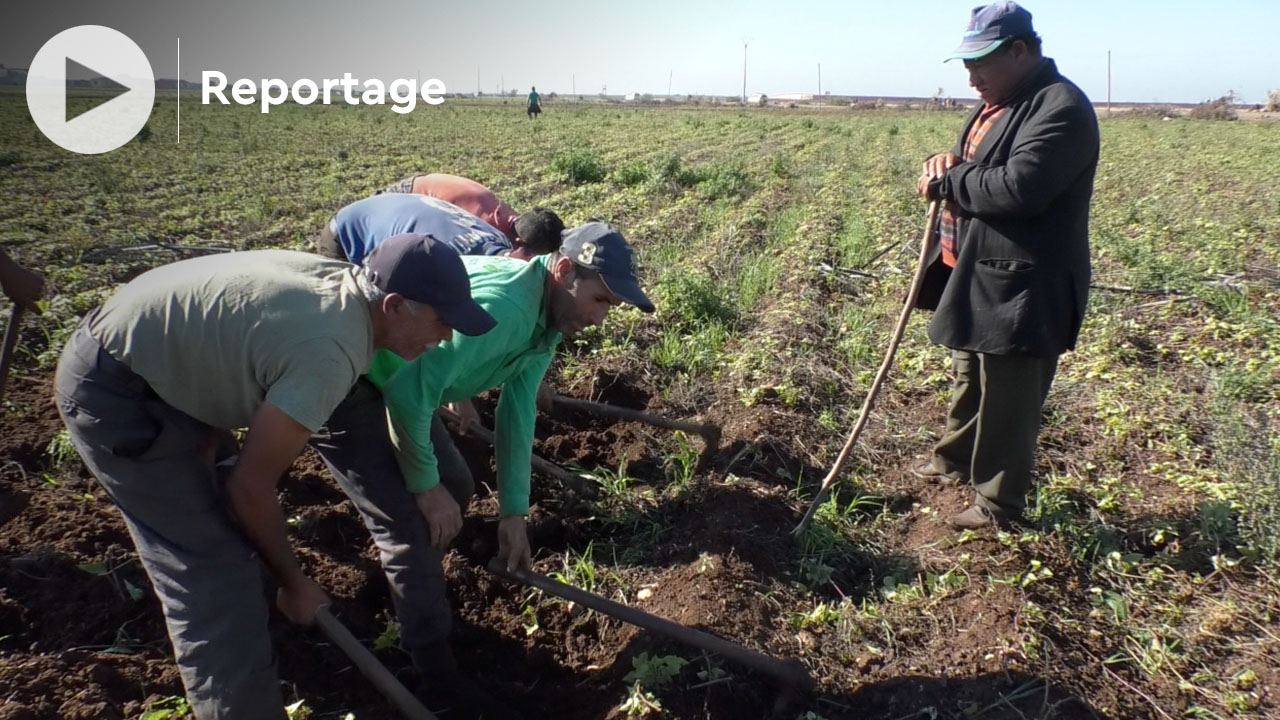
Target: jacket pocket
[(1006, 265), (1001, 286)]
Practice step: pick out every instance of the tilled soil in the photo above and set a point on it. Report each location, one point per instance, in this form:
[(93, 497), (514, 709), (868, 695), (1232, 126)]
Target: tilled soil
[(81, 635)]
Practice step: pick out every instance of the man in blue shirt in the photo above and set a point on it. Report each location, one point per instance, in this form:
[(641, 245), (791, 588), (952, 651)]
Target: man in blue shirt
[(360, 226)]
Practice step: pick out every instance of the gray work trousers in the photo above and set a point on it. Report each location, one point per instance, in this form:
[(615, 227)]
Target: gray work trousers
[(327, 242), (158, 465), (357, 448)]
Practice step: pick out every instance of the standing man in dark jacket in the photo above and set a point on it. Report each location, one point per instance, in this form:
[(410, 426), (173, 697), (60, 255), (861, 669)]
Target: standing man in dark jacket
[(1010, 278)]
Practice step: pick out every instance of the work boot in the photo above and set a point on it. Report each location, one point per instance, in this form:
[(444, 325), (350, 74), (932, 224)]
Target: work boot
[(979, 516), (928, 471)]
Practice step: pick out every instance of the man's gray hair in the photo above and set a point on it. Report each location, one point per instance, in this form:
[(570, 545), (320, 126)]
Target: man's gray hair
[(375, 295)]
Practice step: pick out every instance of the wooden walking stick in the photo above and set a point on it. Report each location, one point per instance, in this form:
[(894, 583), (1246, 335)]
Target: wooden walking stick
[(913, 292)]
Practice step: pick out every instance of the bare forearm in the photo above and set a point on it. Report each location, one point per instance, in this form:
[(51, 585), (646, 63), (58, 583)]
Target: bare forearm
[(258, 509)]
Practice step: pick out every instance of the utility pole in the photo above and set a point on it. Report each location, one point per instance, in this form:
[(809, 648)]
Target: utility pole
[(575, 84), (669, 74), (819, 84), (1108, 83), (744, 72), (478, 90)]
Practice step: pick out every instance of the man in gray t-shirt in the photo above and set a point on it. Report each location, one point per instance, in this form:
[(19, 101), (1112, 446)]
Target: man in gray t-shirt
[(153, 381)]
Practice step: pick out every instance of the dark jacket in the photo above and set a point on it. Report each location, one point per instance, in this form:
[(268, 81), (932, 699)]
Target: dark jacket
[(1021, 279)]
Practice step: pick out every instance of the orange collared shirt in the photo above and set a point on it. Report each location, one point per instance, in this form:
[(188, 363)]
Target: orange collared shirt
[(948, 227)]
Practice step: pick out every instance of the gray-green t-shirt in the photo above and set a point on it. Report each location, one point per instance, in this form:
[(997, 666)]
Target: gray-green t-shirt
[(217, 336)]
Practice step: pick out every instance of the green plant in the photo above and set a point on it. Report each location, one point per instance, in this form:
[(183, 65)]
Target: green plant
[(613, 483), (723, 181), (654, 671), (821, 614), (681, 465), (578, 167), (388, 638), (579, 569), (60, 450), (531, 619), (693, 299), (633, 173), (1218, 524), (670, 171), (170, 708), (640, 703)]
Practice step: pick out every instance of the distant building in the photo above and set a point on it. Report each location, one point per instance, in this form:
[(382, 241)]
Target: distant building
[(794, 97)]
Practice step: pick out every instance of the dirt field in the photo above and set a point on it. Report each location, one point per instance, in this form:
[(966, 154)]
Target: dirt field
[(777, 247)]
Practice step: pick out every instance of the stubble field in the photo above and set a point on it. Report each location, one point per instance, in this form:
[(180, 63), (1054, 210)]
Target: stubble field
[(777, 245)]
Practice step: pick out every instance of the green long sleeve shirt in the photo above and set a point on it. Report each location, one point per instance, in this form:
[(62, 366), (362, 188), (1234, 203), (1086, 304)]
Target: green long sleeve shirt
[(515, 355)]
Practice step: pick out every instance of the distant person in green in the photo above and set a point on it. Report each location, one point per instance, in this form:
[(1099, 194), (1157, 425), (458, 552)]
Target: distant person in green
[(535, 103)]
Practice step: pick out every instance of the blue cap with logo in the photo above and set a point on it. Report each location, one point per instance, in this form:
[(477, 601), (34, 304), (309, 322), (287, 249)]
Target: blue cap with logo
[(990, 26), (428, 271), (600, 247)]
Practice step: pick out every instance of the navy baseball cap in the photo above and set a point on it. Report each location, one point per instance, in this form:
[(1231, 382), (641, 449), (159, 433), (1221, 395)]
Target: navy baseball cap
[(600, 247), (428, 271), (991, 25)]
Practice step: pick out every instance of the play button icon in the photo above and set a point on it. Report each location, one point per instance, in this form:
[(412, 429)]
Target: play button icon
[(109, 112)]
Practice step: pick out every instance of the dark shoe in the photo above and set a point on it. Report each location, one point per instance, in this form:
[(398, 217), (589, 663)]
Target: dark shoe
[(926, 470), (979, 516)]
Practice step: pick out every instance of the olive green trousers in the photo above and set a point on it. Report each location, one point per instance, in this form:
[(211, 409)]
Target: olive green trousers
[(993, 423)]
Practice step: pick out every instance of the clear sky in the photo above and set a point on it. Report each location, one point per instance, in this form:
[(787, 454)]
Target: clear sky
[(1172, 51)]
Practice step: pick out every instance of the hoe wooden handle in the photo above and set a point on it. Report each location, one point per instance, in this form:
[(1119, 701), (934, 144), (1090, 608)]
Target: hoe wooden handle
[(386, 683), (10, 341), (790, 672), (570, 480)]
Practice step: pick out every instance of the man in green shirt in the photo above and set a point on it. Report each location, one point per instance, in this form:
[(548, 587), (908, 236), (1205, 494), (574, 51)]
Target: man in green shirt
[(409, 481), (151, 384)]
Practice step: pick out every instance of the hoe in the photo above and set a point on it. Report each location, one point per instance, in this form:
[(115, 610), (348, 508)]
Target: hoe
[(791, 674), (10, 340), (378, 674), (710, 433)]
